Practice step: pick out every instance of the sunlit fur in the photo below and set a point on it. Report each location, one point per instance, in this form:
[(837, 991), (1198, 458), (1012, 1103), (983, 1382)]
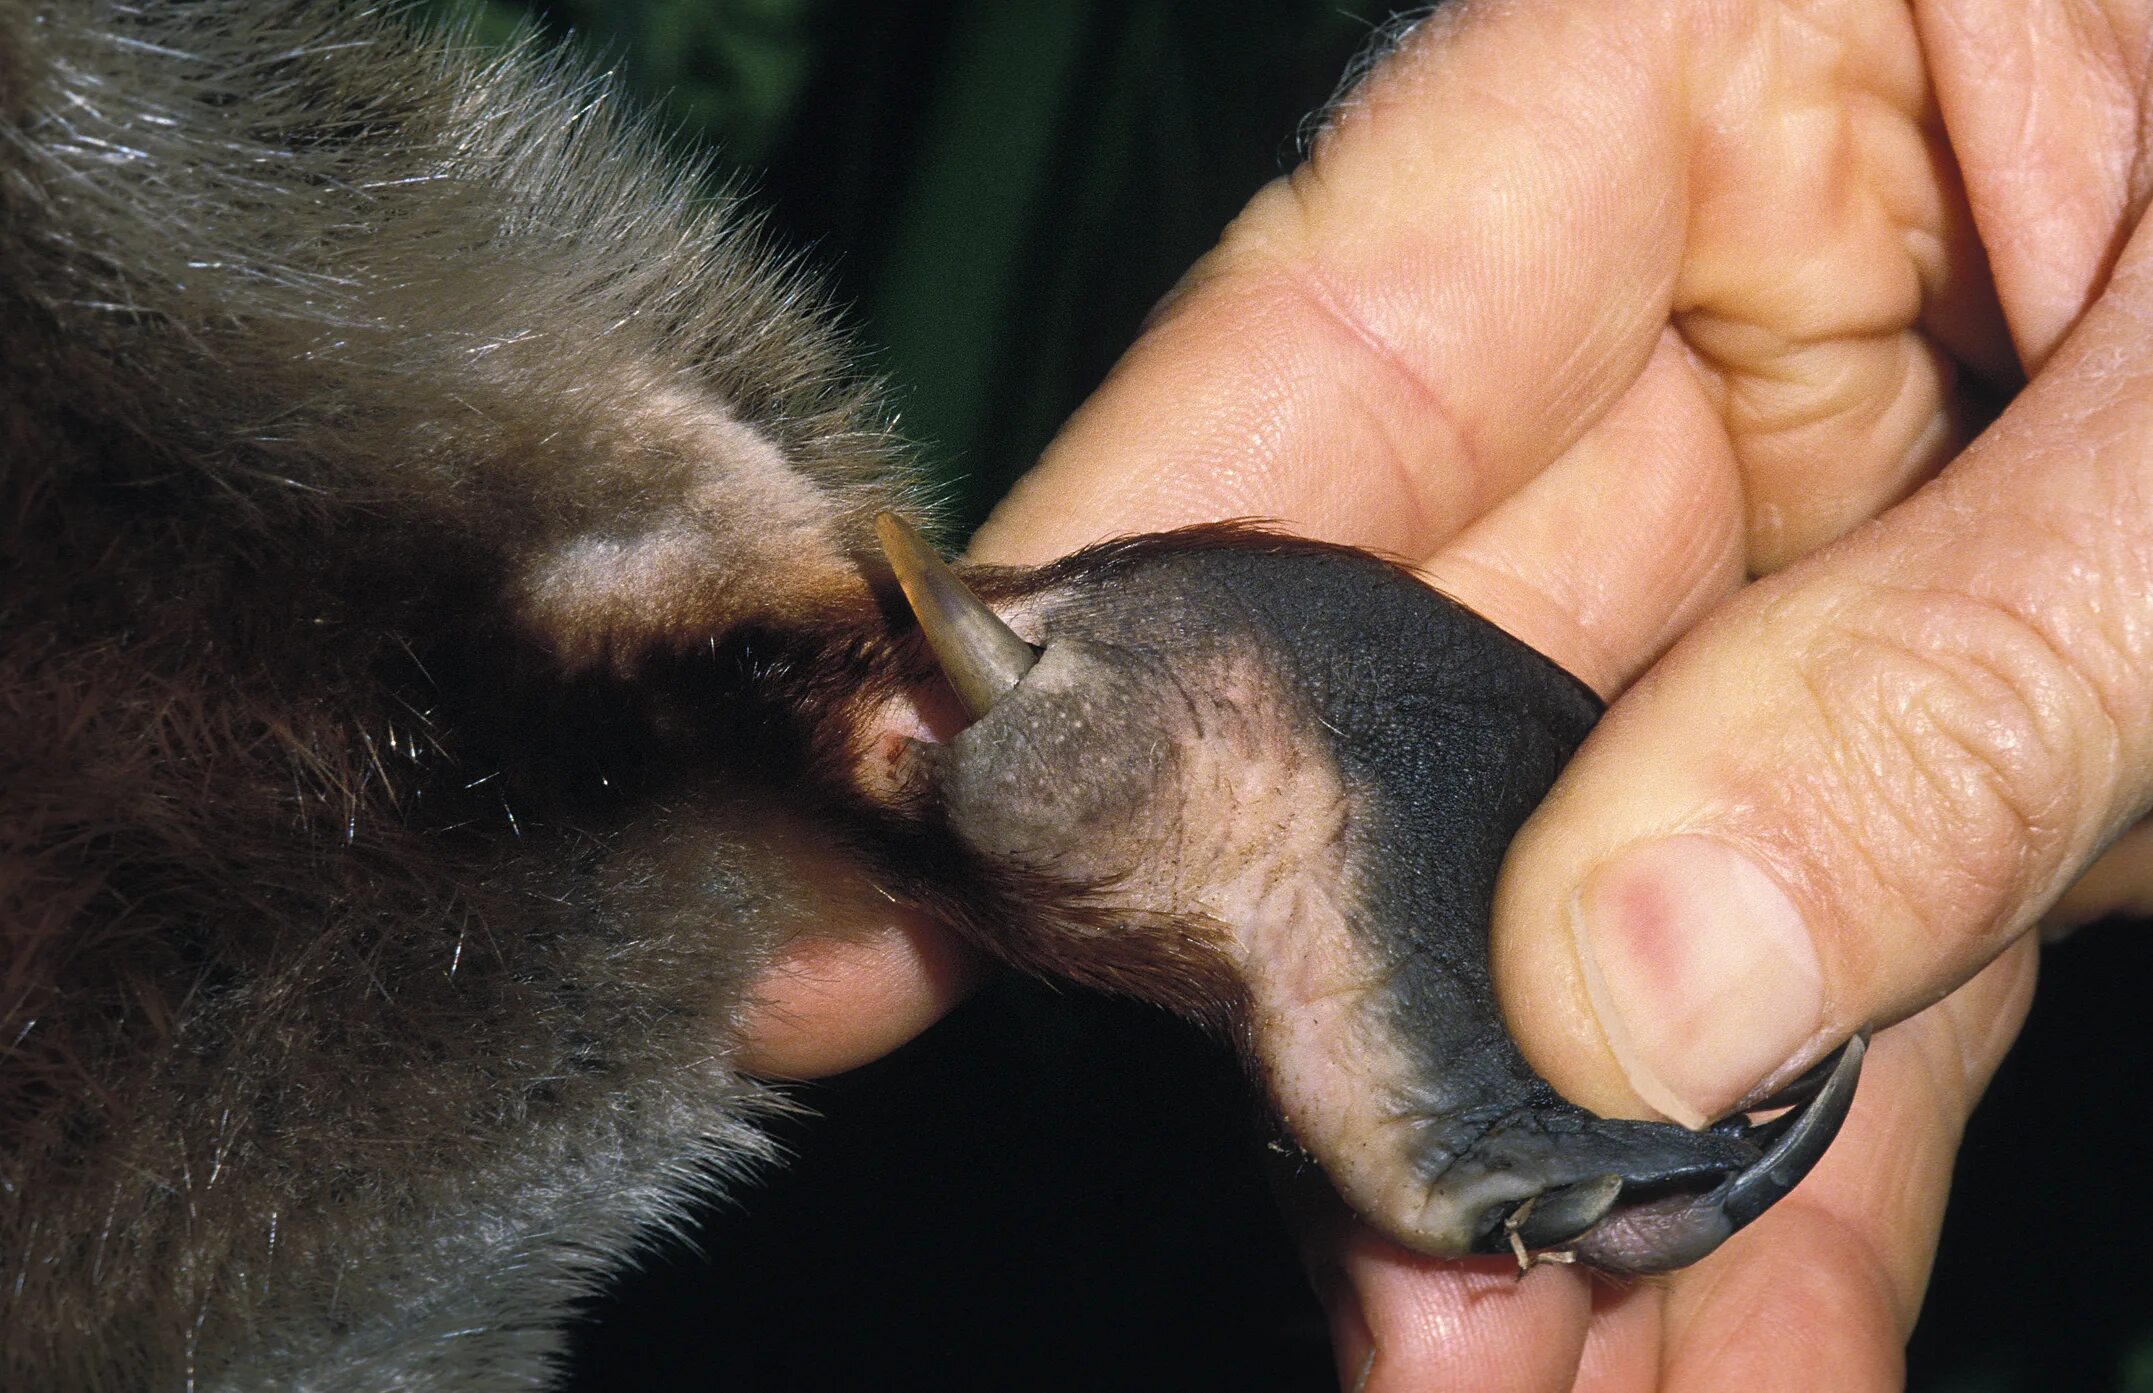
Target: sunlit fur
[(372, 416)]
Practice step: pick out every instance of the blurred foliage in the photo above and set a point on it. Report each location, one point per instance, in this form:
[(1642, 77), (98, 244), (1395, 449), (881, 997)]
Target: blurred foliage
[(1000, 191)]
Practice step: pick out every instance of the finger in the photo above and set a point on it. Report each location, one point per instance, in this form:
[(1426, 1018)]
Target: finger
[(859, 974), (1401, 1320), (1478, 261), (1475, 263), (2119, 884), (1848, 789), (1624, 1342), (1474, 1324), (2046, 104), (866, 979), (1829, 237), (1622, 544), (1822, 1291)]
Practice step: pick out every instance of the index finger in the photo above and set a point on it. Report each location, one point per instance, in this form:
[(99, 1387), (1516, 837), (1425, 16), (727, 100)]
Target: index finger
[(1396, 336)]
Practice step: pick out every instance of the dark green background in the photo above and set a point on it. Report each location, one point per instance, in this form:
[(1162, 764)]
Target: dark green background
[(1052, 1191)]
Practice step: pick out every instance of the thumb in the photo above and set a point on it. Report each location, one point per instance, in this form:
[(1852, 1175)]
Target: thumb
[(1860, 779)]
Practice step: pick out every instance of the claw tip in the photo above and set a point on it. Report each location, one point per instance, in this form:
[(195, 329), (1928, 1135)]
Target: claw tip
[(980, 655)]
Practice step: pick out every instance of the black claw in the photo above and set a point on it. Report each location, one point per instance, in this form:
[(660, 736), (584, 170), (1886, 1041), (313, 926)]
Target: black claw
[(1801, 1139), (1675, 1231)]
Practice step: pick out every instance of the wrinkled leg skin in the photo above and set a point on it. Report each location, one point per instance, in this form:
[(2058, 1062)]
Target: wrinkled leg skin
[(1270, 783), (445, 649)]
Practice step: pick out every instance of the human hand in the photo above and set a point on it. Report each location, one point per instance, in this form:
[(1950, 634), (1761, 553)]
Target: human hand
[(1596, 311)]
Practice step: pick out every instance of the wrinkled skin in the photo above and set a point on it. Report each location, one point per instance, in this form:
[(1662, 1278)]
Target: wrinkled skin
[(1271, 783)]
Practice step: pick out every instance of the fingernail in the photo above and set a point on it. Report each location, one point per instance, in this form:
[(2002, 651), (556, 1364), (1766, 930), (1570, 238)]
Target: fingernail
[(1700, 969)]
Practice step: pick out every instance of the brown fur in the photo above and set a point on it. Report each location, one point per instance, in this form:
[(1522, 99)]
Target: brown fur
[(373, 414)]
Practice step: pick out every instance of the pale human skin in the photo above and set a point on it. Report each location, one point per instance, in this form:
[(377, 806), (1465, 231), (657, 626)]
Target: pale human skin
[(1597, 311)]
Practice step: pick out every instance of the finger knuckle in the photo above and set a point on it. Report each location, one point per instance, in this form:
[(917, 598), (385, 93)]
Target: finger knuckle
[(1970, 752)]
